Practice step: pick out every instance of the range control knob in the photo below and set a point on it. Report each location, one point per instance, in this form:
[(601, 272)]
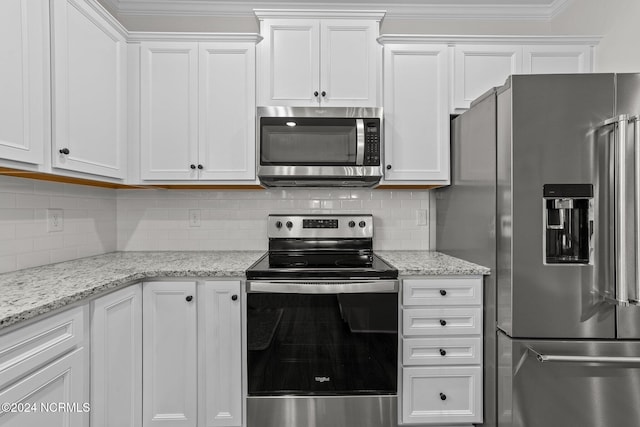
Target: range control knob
[(362, 224), (278, 224), (352, 224), (289, 225)]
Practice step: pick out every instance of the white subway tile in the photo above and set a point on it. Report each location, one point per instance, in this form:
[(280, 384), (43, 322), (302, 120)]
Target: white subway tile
[(24, 230), (9, 184), (7, 200), (32, 259), (32, 201), (8, 263), (64, 254)]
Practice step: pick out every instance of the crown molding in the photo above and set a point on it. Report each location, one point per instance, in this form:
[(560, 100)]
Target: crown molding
[(394, 10), (376, 15), (501, 39), (148, 36)]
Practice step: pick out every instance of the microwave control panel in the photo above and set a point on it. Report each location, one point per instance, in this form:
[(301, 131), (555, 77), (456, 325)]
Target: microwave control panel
[(372, 142)]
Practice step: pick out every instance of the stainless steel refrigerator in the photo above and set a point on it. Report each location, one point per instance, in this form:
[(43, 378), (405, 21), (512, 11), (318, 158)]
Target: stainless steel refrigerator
[(545, 192)]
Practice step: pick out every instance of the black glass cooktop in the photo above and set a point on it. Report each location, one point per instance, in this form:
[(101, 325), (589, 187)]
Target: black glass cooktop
[(320, 264)]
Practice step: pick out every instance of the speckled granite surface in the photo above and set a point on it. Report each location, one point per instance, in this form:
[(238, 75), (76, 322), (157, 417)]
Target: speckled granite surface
[(428, 263), (27, 293)]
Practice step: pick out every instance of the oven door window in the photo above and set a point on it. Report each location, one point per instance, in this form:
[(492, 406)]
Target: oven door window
[(307, 141), (328, 344)]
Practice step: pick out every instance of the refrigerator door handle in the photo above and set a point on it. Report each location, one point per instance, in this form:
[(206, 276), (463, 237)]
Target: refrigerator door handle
[(544, 358), (619, 124), (635, 298)]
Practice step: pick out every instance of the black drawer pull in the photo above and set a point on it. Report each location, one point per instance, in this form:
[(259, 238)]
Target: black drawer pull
[(443, 322), (189, 298), (234, 297), (443, 292), (443, 396), (443, 352)]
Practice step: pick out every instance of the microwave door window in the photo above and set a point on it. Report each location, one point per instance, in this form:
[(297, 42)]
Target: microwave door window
[(309, 145)]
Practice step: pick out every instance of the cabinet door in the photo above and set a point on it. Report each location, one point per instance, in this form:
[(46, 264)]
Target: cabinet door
[(116, 359), (221, 358), (169, 354), (444, 395), (24, 77), (416, 113), (89, 91), (350, 61), (289, 62), (479, 68), (556, 59), (227, 111), (61, 381), (169, 110)]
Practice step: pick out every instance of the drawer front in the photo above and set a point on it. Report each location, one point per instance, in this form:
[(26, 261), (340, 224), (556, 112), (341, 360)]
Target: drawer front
[(442, 395), (442, 321), (442, 291), (27, 348), (441, 351)]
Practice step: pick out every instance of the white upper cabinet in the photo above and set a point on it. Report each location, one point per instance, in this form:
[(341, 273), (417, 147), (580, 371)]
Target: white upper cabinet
[(478, 68), (416, 110), (487, 62), (89, 90), (24, 80), (197, 110), (169, 110), (227, 111), (323, 61), (544, 59)]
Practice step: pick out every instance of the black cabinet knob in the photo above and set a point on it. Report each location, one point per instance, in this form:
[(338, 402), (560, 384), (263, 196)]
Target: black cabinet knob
[(192, 166), (200, 167), (362, 224), (324, 93), (443, 352), (234, 297), (64, 151), (315, 93), (443, 292), (443, 322), (289, 224), (443, 396), (352, 224), (388, 167), (278, 224), (189, 298)]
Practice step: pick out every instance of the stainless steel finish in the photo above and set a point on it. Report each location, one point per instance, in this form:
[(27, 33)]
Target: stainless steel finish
[(359, 141), (320, 176), (581, 393), (543, 358), (297, 230), (635, 298), (322, 411), (621, 279), (466, 218), (628, 103), (336, 112), (323, 286)]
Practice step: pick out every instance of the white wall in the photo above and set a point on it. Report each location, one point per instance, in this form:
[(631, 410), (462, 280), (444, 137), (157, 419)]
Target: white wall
[(236, 220), (89, 222)]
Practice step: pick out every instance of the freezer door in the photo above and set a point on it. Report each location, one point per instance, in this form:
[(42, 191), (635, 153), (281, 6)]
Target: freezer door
[(628, 103), (552, 138), (596, 384)]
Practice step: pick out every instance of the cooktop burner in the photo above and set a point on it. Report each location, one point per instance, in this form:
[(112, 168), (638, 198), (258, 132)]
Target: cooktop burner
[(320, 246)]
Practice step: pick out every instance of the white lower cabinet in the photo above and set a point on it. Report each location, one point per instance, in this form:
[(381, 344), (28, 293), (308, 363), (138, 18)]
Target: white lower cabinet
[(441, 351), (43, 373), (116, 359), (169, 378), (220, 361)]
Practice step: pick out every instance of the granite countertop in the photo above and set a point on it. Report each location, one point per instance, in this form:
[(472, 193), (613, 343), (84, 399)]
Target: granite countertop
[(25, 294), (430, 263)]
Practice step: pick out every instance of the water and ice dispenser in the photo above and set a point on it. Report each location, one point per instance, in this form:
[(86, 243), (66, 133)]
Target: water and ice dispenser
[(568, 228)]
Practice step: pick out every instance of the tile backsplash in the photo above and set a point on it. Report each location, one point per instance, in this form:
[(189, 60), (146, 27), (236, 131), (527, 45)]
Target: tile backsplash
[(236, 220), (98, 220), (88, 220)]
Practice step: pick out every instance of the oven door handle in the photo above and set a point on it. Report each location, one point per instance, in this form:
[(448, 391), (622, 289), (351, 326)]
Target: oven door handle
[(323, 287)]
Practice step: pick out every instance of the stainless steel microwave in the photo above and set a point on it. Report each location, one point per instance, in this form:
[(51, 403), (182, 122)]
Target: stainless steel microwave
[(319, 147)]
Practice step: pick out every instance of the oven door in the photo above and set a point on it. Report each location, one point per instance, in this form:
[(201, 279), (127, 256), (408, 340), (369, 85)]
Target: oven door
[(322, 338)]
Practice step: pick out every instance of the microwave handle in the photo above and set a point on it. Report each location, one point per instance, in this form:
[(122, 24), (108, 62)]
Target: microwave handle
[(359, 142)]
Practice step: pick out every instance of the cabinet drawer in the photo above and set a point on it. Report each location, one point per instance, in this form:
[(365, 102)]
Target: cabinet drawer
[(31, 346), (442, 351), (442, 321), (442, 291), (442, 395)]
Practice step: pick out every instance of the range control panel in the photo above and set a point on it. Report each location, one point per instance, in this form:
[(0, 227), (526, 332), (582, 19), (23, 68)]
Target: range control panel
[(322, 226)]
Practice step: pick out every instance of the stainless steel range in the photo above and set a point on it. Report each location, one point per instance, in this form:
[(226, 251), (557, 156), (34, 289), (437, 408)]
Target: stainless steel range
[(322, 326)]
